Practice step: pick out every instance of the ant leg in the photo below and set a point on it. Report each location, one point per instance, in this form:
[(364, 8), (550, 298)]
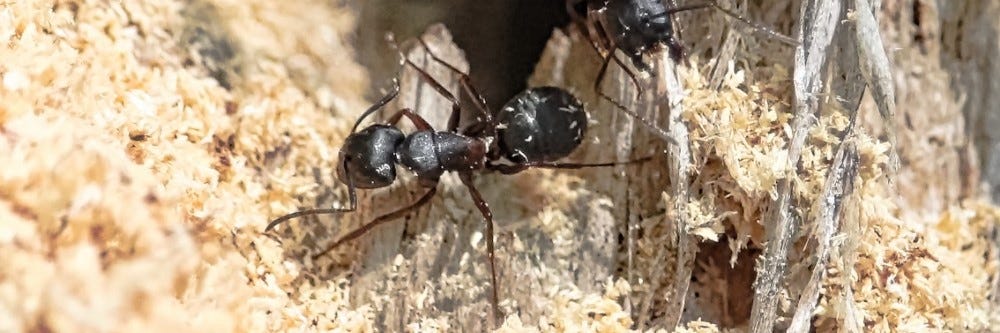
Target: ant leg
[(456, 109), (466, 83), (512, 169), (645, 122), (604, 65), (404, 60), (588, 30), (754, 26), (638, 88), (377, 221), (678, 9), (595, 27), (604, 69), (506, 168), (631, 74), (677, 50), (419, 122), (557, 165), (597, 88), (484, 208), (573, 15)]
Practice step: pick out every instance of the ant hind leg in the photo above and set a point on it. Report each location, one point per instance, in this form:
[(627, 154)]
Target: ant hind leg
[(484, 208)]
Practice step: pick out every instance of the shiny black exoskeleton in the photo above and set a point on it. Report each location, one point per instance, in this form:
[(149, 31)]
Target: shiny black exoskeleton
[(534, 129), (372, 154), (540, 125), (637, 26), (640, 26)]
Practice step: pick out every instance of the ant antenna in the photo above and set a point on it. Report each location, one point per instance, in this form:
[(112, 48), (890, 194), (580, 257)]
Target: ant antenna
[(378, 105), (391, 39), (351, 189), (351, 194)]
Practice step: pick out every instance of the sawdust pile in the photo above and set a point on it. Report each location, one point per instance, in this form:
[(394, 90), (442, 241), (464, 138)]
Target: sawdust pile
[(145, 144), (133, 178), (904, 276)]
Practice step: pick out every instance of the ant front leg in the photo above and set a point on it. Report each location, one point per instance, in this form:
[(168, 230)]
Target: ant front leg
[(308, 212), (364, 228), (752, 25), (583, 24), (604, 69), (597, 88), (484, 208)]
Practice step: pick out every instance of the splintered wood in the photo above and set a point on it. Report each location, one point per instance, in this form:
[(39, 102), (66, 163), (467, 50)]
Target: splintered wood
[(146, 144)]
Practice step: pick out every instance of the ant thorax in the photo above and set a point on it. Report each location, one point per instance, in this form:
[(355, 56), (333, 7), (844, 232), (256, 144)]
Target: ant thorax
[(431, 153)]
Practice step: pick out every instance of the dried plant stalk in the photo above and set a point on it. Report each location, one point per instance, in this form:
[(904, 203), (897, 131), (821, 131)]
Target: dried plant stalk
[(840, 184), (679, 169), (818, 22)]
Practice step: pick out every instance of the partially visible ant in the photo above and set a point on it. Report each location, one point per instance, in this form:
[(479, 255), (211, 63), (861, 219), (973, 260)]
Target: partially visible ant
[(533, 130), (637, 27)]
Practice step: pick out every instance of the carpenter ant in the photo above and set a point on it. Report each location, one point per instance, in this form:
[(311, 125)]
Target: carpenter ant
[(637, 27), (533, 130)]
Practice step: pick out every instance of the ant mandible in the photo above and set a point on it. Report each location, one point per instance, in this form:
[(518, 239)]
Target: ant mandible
[(637, 27), (533, 130)]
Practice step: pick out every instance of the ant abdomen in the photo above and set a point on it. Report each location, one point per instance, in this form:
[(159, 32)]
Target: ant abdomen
[(370, 156), (541, 124)]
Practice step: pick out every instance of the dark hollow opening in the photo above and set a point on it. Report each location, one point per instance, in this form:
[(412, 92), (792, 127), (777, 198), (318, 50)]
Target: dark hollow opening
[(501, 39)]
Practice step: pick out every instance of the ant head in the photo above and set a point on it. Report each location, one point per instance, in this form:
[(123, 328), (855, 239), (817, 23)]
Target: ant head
[(541, 124), (639, 25), (368, 157)]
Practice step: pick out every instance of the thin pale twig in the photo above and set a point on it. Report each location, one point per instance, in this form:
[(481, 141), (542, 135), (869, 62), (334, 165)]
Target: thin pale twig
[(819, 20)]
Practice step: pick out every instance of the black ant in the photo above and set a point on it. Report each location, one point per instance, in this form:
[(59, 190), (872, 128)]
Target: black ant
[(637, 27), (533, 130)]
